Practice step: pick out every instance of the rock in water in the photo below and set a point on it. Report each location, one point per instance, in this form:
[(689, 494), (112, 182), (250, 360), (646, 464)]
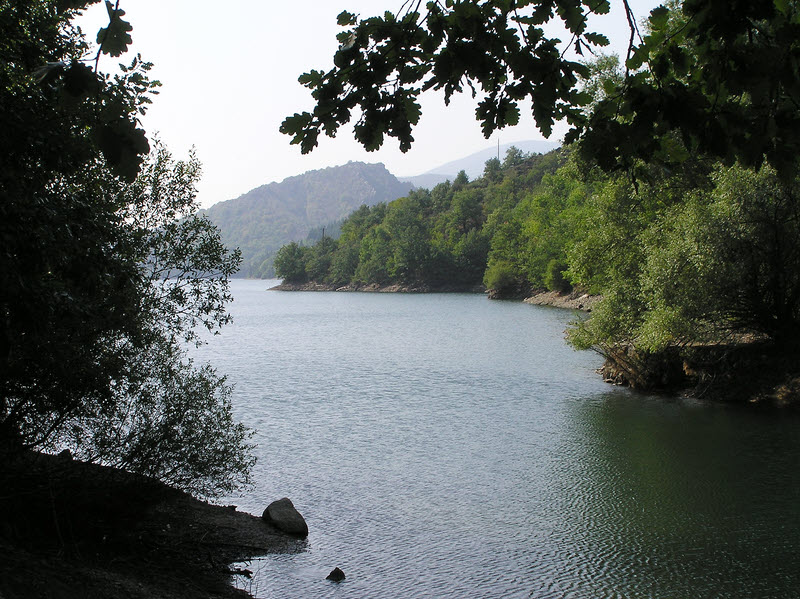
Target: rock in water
[(336, 575), (285, 517)]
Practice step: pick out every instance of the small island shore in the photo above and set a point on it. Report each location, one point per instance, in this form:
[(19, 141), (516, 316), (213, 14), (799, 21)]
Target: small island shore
[(74, 530)]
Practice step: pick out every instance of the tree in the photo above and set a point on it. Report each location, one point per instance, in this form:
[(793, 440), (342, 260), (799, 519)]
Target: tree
[(466, 210), (105, 269), (726, 261), (167, 419), (320, 259), (723, 77), (547, 216), (344, 263), (492, 170), (68, 289), (608, 252), (715, 260), (470, 254), (290, 263), (504, 269), (384, 63), (375, 257), (408, 230), (514, 157), (502, 277), (156, 413)]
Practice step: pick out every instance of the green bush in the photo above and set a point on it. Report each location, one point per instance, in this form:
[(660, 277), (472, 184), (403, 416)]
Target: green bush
[(554, 276), (500, 276)]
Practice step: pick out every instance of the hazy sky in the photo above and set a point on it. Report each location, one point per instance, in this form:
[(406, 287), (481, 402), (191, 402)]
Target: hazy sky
[(229, 72)]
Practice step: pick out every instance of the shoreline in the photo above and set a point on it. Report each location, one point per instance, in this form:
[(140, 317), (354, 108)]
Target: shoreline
[(376, 288), (569, 301), (556, 299), (73, 529), (746, 374)]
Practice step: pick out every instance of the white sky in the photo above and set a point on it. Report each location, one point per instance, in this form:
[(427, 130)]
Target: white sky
[(229, 73)]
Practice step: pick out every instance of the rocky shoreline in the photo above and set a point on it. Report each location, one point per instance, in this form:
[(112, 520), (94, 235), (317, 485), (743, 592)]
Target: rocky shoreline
[(745, 373), (74, 530), (571, 301), (375, 288)]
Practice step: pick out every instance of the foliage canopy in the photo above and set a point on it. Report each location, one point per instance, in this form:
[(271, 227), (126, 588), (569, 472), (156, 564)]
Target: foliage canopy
[(105, 270), (437, 239), (722, 76)]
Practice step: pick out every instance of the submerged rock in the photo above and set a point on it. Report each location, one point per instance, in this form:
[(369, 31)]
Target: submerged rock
[(336, 575), (283, 515)]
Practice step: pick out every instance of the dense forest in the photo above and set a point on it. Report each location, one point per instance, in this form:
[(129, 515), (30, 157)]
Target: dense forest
[(437, 239)]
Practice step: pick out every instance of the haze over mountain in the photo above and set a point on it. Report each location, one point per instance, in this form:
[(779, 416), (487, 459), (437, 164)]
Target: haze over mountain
[(262, 220), (474, 163)]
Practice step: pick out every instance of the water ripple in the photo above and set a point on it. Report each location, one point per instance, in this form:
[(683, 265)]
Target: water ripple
[(451, 447)]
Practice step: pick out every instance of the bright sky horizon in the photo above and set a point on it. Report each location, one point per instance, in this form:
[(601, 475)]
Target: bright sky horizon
[(229, 78)]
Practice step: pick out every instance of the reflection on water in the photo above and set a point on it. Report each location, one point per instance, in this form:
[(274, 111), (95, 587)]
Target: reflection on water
[(675, 498), (448, 446)]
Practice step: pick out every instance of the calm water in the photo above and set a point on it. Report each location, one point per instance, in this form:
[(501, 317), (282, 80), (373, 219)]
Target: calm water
[(450, 446)]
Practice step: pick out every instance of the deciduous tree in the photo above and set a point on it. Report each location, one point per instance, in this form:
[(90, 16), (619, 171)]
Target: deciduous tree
[(722, 76), (105, 268)]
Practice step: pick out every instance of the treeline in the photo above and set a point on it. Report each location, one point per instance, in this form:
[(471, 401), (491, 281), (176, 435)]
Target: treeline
[(441, 238), (698, 252)]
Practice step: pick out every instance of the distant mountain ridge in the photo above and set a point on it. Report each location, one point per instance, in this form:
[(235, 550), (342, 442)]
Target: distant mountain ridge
[(268, 217), (262, 220), (474, 164)]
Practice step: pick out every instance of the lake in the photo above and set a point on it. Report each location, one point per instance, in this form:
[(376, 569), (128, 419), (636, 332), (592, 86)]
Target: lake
[(451, 446)]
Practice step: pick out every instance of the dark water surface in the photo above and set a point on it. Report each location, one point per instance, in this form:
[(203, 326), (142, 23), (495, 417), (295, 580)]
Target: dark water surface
[(450, 446)]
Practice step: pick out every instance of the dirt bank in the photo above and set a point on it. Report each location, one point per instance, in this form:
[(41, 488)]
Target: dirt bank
[(75, 530)]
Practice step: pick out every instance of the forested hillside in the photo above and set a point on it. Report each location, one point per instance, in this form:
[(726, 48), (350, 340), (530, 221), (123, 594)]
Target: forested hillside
[(679, 203), (440, 238), (262, 220), (703, 253), (473, 164)]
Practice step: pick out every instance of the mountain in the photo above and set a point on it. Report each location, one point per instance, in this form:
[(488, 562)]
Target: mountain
[(474, 163), (266, 218), (262, 220)]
